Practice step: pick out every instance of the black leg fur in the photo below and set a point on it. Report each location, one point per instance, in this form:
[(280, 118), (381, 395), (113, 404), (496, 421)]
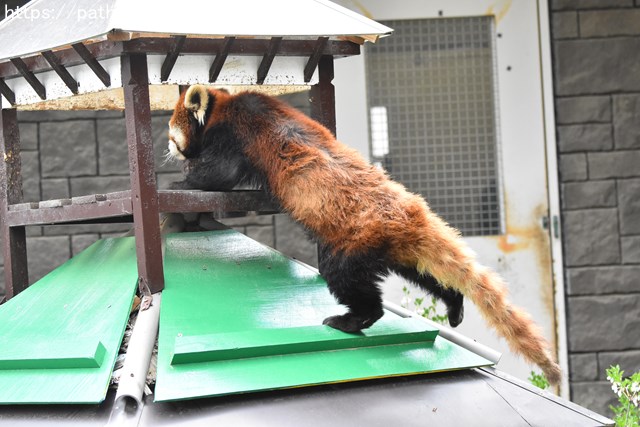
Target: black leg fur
[(353, 281), (452, 298)]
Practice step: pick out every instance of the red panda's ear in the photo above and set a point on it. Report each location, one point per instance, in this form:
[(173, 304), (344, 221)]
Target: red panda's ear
[(196, 100)]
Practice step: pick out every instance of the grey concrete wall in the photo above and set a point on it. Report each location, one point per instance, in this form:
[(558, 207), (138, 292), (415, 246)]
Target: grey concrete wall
[(596, 47)]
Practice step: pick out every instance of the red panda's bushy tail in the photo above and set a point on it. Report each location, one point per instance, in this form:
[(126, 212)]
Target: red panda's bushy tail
[(444, 255), (512, 323)]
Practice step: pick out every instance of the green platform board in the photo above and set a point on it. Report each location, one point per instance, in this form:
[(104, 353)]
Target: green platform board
[(60, 337), (240, 317)]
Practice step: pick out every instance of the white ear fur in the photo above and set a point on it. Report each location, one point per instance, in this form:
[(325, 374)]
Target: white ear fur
[(196, 100)]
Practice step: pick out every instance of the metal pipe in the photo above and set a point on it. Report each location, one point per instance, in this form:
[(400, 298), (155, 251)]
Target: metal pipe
[(449, 334)]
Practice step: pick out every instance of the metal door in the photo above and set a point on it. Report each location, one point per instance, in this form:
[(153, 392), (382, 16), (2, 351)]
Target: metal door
[(459, 108)]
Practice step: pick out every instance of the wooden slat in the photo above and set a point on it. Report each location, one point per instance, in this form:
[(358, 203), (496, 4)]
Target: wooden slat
[(304, 339), (93, 63), (93, 207), (70, 213), (221, 57), (243, 47), (56, 203), (89, 199), (267, 59), (171, 58), (61, 71), (24, 206), (209, 201), (84, 353), (30, 77), (315, 58)]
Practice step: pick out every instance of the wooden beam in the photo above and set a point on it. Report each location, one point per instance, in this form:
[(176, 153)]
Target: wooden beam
[(315, 58), (172, 57), (144, 194), (7, 92), (323, 95), (267, 59), (93, 63), (161, 46), (14, 243), (61, 71), (221, 57), (30, 77)]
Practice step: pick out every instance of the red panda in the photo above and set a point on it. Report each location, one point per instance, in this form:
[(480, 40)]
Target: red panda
[(366, 224)]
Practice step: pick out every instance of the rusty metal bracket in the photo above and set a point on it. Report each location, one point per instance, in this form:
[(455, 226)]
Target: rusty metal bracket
[(93, 63), (7, 92), (30, 77), (315, 58), (172, 57), (221, 57), (61, 71), (267, 59)]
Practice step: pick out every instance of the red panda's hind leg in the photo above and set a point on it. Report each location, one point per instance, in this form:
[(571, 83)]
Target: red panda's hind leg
[(353, 281), (453, 299)]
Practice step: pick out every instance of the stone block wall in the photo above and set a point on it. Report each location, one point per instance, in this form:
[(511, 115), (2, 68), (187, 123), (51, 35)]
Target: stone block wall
[(596, 54)]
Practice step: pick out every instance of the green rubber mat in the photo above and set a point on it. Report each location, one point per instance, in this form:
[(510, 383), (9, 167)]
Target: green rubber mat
[(60, 337), (240, 317)]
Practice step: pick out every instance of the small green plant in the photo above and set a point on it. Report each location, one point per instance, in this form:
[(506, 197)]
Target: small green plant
[(429, 312), (538, 380), (627, 413)]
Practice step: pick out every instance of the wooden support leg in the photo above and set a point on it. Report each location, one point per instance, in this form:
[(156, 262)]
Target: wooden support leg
[(323, 95), (323, 100), (14, 245), (144, 194)]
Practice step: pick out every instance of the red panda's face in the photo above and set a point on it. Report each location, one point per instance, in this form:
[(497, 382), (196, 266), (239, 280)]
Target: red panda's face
[(187, 122), (179, 132)]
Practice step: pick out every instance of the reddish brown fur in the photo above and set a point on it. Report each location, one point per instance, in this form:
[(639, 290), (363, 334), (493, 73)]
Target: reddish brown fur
[(352, 206)]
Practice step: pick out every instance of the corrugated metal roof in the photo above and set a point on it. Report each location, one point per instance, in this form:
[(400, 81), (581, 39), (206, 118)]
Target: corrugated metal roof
[(50, 24)]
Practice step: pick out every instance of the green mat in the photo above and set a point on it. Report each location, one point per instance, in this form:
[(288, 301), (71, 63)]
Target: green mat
[(60, 337), (239, 317)]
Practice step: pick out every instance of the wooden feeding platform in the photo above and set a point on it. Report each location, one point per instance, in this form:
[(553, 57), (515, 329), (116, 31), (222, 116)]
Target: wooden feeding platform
[(71, 63)]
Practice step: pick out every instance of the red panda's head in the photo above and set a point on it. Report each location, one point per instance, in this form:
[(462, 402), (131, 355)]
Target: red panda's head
[(186, 127)]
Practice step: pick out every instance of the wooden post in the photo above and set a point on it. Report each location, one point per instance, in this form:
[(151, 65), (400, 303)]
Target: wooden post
[(323, 95), (323, 99), (144, 194), (14, 243)]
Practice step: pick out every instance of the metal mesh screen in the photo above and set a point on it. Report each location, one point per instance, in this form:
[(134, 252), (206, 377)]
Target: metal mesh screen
[(433, 116)]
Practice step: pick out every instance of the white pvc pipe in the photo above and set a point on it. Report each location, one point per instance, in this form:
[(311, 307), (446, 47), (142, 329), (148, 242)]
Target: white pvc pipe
[(133, 377), (465, 342)]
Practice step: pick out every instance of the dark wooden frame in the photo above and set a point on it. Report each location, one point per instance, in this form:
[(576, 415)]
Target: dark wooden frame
[(142, 202)]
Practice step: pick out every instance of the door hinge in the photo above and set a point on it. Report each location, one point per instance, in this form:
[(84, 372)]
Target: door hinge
[(555, 225)]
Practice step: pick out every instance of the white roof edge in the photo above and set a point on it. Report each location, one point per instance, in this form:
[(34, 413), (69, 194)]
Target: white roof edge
[(63, 23)]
